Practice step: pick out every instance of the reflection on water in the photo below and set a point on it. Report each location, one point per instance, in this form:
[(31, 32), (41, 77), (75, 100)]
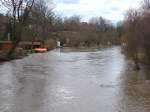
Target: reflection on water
[(73, 80)]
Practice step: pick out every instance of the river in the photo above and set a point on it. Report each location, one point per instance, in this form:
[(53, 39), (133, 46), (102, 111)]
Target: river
[(73, 80)]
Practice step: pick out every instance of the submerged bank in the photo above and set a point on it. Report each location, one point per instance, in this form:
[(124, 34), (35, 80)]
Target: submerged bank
[(19, 54)]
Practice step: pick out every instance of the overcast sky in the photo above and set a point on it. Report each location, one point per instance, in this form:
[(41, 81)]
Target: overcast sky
[(110, 9)]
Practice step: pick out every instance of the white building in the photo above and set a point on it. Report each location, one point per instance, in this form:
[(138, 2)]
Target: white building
[(58, 44)]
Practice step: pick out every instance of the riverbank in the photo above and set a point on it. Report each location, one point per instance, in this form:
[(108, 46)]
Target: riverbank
[(5, 57), (19, 54), (137, 83)]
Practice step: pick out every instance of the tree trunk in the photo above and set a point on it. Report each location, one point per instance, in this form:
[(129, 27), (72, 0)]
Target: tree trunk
[(17, 35), (136, 62)]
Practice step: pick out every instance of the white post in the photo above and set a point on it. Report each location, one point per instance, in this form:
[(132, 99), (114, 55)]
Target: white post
[(8, 36)]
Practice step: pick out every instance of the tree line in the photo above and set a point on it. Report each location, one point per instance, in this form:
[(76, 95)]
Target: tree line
[(97, 32), (136, 34), (35, 20)]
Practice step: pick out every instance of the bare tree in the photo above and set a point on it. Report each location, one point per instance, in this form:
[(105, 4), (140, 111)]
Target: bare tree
[(136, 33), (42, 18), (132, 33), (18, 11)]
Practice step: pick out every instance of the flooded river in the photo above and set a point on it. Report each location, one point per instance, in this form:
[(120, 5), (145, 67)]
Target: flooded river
[(72, 80)]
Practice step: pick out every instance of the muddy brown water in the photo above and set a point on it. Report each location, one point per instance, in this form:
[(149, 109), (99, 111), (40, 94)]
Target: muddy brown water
[(73, 80)]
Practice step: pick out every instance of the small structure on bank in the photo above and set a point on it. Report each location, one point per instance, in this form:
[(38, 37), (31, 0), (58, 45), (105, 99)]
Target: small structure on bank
[(30, 45), (7, 45), (60, 43), (27, 45)]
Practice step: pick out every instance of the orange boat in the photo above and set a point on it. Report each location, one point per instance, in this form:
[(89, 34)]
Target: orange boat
[(40, 50)]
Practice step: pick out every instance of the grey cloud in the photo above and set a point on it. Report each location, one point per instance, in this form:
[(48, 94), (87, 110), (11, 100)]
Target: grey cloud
[(114, 9), (68, 1)]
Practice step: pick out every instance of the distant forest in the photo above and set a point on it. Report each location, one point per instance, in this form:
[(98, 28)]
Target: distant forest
[(44, 24)]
